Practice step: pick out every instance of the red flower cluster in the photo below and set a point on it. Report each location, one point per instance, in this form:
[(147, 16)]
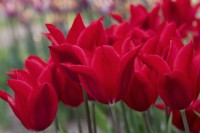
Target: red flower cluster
[(35, 103), (134, 60)]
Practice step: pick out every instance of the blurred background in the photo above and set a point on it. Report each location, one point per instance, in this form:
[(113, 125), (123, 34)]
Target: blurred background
[(22, 23)]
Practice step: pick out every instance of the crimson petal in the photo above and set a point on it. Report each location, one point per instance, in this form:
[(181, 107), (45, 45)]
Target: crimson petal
[(105, 65), (56, 33), (43, 104), (68, 53), (175, 90), (157, 63), (92, 36), (183, 59), (76, 29)]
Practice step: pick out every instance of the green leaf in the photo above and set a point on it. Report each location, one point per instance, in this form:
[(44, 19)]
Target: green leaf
[(62, 129)]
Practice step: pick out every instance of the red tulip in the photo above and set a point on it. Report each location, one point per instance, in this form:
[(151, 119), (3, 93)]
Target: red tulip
[(140, 17), (72, 49), (34, 104), (106, 79), (67, 88), (181, 12), (178, 78), (58, 38), (142, 91), (65, 83), (192, 115)]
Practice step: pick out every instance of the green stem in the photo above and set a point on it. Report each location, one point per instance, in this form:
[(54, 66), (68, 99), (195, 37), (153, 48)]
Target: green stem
[(94, 118), (117, 118), (185, 123), (147, 123), (116, 128), (169, 124), (56, 125), (166, 113), (127, 128), (87, 112), (78, 120)]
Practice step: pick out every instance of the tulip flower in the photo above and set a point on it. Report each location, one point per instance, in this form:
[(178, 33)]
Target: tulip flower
[(77, 48), (178, 77), (142, 91), (106, 79), (140, 16), (160, 42), (192, 115), (34, 104), (181, 12), (63, 50), (67, 88), (58, 38)]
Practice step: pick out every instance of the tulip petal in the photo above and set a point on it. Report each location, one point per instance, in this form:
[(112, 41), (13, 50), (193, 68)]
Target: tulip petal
[(195, 74), (12, 74), (68, 53), (21, 89), (116, 17), (26, 77), (141, 93), (43, 104), (150, 46), (175, 90), (154, 17), (138, 14), (173, 50), (68, 89), (37, 59), (127, 45), (21, 93), (165, 36), (51, 38), (157, 63), (76, 29), (183, 59), (56, 33), (6, 97), (105, 65), (92, 36), (46, 75), (22, 116), (126, 69), (89, 82), (34, 68)]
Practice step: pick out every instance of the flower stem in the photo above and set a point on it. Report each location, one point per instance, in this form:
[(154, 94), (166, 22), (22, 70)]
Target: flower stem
[(87, 112), (94, 118), (116, 128), (56, 125), (169, 124), (125, 118), (185, 123), (79, 121), (166, 113), (147, 123)]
